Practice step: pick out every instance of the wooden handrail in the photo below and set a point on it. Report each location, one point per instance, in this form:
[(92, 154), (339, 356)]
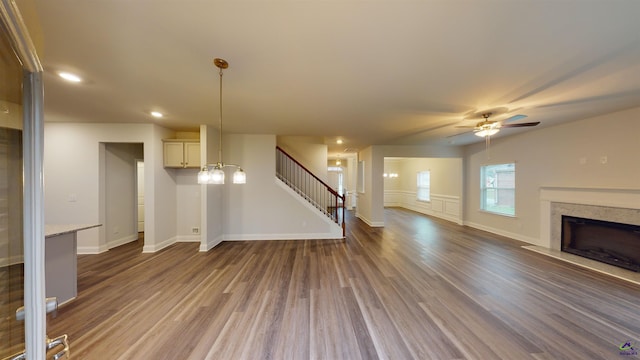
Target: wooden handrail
[(311, 173)]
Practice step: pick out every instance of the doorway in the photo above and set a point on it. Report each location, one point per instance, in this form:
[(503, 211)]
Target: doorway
[(120, 188)]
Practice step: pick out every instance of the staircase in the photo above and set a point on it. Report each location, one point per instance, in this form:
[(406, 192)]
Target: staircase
[(310, 187)]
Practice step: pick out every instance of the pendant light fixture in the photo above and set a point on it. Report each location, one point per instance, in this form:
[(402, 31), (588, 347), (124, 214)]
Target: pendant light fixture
[(214, 173)]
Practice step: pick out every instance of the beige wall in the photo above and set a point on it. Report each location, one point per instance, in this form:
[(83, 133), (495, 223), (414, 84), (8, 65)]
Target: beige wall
[(446, 175), (568, 155)]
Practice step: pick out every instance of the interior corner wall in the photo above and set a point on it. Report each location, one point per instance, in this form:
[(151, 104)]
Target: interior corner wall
[(210, 195), (600, 152), (263, 208), (370, 202), (72, 180)]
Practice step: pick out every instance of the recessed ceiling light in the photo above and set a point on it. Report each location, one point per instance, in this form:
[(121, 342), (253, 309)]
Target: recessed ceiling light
[(70, 77), (339, 141), (156, 114)]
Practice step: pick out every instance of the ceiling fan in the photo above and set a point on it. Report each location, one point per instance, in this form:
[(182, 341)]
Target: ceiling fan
[(488, 127)]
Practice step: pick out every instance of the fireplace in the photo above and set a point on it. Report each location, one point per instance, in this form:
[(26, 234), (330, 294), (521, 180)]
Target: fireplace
[(605, 241)]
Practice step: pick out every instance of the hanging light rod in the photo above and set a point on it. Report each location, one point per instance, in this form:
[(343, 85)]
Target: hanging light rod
[(214, 173)]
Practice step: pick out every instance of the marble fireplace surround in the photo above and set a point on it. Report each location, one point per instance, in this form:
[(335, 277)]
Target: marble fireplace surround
[(617, 205)]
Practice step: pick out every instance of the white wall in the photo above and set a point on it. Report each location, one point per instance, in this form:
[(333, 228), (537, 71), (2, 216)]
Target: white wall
[(370, 203), (188, 205), (264, 208), (73, 178), (120, 186), (311, 152), (567, 155), (210, 195)]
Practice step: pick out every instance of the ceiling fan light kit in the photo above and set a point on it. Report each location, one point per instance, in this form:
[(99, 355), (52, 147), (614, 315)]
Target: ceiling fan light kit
[(488, 127), (487, 132)]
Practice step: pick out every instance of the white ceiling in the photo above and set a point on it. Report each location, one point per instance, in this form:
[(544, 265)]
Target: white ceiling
[(370, 72)]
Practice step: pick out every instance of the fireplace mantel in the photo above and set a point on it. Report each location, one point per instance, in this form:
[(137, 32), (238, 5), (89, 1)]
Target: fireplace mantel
[(609, 204), (605, 197)]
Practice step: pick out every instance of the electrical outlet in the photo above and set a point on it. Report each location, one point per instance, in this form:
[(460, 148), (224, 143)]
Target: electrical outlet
[(195, 230)]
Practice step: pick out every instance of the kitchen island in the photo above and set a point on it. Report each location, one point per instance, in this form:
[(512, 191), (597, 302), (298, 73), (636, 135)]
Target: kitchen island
[(61, 253)]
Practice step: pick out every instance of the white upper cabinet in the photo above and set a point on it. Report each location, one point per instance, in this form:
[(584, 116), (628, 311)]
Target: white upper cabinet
[(181, 153)]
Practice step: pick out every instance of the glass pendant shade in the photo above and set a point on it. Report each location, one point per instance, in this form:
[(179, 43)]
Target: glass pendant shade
[(239, 177), (203, 176), (214, 173), (216, 176)]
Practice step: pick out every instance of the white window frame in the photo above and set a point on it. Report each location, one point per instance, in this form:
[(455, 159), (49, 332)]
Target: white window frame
[(490, 190), (423, 193)]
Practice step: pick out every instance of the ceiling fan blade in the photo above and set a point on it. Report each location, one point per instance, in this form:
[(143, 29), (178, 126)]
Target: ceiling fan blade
[(515, 118), (521, 124), (462, 133), (467, 127)]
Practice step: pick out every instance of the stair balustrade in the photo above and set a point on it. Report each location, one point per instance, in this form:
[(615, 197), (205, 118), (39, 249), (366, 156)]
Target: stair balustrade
[(310, 187)]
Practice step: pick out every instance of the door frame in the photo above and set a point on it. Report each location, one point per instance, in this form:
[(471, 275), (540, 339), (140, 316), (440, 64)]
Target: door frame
[(138, 194), (33, 149)]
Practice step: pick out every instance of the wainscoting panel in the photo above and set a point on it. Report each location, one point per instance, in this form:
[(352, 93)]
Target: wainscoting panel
[(442, 206), (437, 205)]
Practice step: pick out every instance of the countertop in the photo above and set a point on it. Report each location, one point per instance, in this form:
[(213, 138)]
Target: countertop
[(60, 229)]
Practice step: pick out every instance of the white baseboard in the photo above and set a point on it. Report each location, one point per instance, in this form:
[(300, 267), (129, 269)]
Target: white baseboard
[(511, 235), (151, 248), (125, 240), (208, 245), (445, 207), (92, 250), (301, 236), (188, 238), (369, 222)]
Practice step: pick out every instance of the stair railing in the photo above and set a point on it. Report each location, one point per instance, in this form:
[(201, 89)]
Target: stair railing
[(310, 187)]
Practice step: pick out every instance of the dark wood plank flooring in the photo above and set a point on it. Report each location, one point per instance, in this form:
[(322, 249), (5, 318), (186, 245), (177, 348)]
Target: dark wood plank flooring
[(419, 288)]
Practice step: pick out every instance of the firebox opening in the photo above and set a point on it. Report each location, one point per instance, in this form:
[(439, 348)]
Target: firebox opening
[(608, 242)]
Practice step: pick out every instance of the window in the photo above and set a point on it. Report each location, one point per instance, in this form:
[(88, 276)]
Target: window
[(424, 186), (498, 189)]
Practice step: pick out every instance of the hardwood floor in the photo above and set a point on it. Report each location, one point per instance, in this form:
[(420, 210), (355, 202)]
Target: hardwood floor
[(419, 288)]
